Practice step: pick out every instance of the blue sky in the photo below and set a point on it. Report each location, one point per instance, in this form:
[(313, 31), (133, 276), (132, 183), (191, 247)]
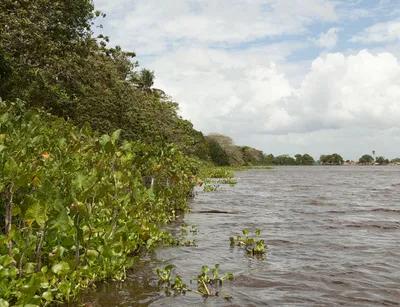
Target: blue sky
[(285, 76)]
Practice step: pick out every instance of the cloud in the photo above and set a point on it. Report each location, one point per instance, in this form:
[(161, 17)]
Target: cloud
[(343, 92), (329, 39), (148, 27), (379, 33), (221, 92)]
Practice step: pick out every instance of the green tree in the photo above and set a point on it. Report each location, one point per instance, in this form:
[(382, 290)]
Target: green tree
[(382, 160), (333, 159), (366, 159), (217, 153), (144, 80), (268, 159), (234, 153), (252, 156)]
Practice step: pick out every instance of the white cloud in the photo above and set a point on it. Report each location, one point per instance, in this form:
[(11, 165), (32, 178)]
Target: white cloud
[(379, 33), (151, 27), (329, 39), (222, 92)]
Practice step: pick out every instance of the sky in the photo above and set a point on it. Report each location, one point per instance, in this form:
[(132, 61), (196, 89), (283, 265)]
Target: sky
[(283, 76)]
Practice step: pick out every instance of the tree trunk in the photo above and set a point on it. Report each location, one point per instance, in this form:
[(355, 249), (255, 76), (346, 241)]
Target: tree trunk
[(8, 219)]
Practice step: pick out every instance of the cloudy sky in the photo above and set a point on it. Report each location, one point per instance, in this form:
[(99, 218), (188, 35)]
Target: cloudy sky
[(284, 76)]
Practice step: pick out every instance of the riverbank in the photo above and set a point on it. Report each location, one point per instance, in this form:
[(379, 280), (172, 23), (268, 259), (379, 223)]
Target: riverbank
[(78, 206)]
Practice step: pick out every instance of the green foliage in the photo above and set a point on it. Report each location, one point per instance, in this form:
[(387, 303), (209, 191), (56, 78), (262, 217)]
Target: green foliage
[(253, 246), (333, 159), (56, 63), (207, 285), (226, 152), (382, 160), (216, 172), (252, 156), (284, 160), (76, 205), (217, 154), (305, 159), (366, 159)]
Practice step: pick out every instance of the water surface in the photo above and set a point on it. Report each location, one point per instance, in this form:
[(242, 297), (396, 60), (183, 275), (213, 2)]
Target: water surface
[(333, 235)]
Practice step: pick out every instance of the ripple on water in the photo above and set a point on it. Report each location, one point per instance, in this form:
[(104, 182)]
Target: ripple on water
[(333, 235)]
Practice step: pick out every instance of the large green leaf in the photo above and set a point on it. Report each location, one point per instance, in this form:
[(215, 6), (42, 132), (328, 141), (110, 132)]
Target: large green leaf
[(86, 129), (115, 136), (10, 169), (80, 180), (36, 213), (62, 222), (6, 260), (61, 268)]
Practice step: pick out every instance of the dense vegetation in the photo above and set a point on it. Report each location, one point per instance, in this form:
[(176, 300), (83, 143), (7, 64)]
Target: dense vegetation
[(76, 205), (334, 159)]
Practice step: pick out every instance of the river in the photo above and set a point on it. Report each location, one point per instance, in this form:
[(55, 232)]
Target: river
[(333, 235)]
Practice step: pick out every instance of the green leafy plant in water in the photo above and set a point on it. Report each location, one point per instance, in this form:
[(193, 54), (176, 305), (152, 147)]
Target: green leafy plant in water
[(210, 186), (207, 285), (183, 240), (194, 230), (231, 182), (253, 246), (165, 273)]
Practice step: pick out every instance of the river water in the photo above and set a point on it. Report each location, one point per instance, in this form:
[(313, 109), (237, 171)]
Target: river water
[(333, 235)]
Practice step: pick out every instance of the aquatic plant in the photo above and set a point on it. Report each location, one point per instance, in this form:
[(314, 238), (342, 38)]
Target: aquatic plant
[(231, 182), (207, 285), (253, 246), (78, 206)]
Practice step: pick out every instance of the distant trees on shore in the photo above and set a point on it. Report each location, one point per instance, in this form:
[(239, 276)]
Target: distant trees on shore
[(223, 152), (334, 159)]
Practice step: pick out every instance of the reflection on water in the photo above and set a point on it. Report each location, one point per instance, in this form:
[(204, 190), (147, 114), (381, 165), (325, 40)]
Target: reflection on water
[(333, 235)]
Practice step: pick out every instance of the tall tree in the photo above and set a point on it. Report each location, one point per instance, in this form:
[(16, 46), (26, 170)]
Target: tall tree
[(144, 80)]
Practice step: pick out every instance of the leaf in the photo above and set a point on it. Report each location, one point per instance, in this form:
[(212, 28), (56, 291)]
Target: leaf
[(92, 253), (80, 180), (45, 155), (61, 268), (10, 168), (245, 232), (47, 296), (258, 232), (115, 136), (104, 139), (204, 269), (29, 268), (3, 303), (36, 181), (6, 260), (86, 129), (62, 222), (109, 147), (36, 213)]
